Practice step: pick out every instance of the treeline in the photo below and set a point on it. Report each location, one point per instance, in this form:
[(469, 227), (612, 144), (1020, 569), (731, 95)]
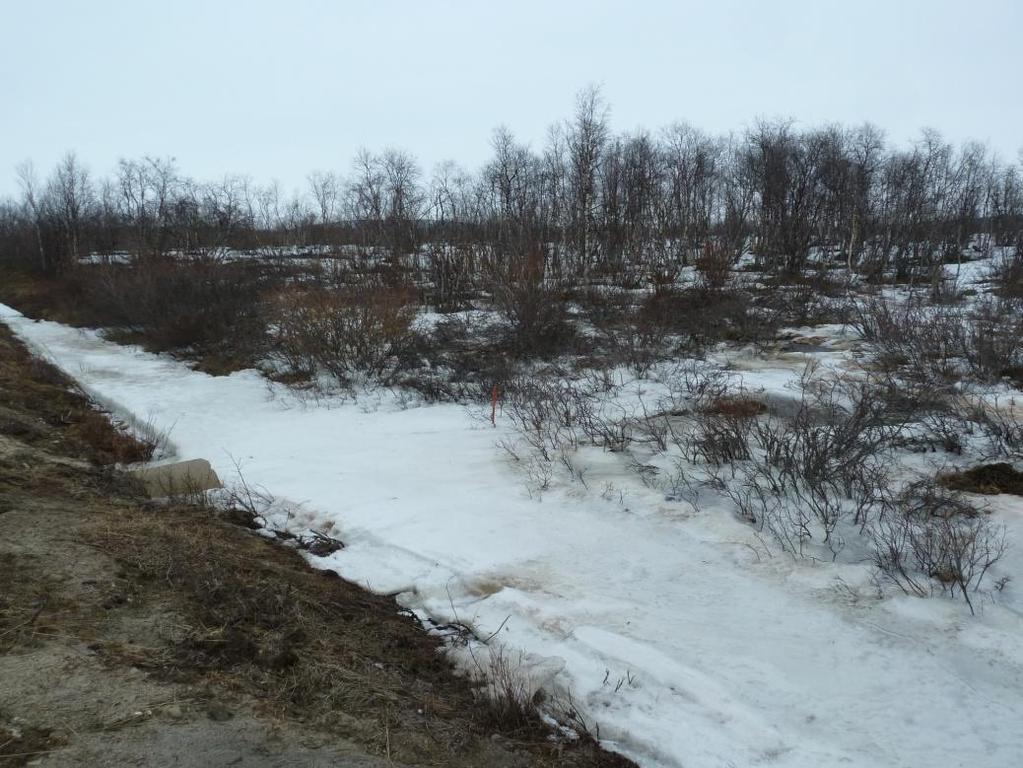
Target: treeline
[(587, 205)]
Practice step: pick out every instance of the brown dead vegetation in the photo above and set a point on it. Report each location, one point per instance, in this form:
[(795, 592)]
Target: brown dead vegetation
[(736, 407), (38, 404), (988, 479), (342, 333)]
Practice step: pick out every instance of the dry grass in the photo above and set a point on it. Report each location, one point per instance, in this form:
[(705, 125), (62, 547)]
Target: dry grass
[(254, 609), (109, 444), (38, 404), (308, 644), (988, 479), (739, 407)]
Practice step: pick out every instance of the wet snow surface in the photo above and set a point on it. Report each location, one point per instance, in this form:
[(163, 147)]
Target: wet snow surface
[(672, 628)]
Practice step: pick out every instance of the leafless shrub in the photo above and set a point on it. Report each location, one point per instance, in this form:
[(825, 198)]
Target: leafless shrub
[(998, 422), (801, 476), (932, 535), (204, 305), (467, 360), (804, 300), (876, 319), (926, 499), (714, 265), (994, 340), (528, 295), (506, 694), (945, 289), (696, 385), (539, 473), (723, 439), (699, 317), (678, 483), (695, 415), (669, 322), (945, 428), (624, 334), (553, 413), (639, 343), (546, 412), (922, 344), (575, 471), (1007, 273), (939, 346), (453, 275), (652, 426), (952, 422), (606, 424), (344, 333)]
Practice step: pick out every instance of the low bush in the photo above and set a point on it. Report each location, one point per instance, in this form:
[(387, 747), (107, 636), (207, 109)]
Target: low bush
[(994, 340), (200, 306), (1007, 273), (933, 536), (800, 476), (714, 265), (344, 334), (700, 318), (941, 345)]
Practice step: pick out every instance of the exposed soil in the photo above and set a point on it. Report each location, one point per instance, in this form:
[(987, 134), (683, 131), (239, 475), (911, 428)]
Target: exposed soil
[(133, 633)]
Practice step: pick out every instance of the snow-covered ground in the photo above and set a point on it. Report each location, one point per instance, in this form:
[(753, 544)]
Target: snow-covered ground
[(673, 628)]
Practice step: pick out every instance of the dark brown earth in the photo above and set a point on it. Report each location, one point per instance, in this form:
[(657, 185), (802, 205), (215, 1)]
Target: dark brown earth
[(136, 634)]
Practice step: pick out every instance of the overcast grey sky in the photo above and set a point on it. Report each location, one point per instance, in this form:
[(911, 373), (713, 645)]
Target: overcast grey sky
[(276, 89)]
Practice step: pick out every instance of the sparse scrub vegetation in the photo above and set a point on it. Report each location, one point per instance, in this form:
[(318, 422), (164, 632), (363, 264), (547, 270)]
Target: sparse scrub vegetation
[(641, 237), (205, 305), (343, 333), (816, 473), (943, 345), (935, 536), (601, 288)]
